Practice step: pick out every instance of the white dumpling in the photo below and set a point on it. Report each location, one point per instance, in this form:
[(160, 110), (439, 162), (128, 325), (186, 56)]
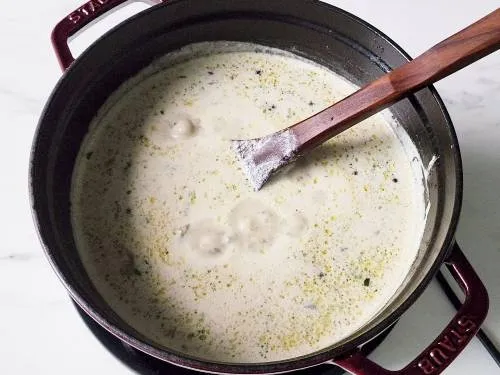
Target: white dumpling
[(206, 241), (181, 128), (254, 224)]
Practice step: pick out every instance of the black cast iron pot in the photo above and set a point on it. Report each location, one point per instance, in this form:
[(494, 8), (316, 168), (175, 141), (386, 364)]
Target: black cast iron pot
[(323, 33)]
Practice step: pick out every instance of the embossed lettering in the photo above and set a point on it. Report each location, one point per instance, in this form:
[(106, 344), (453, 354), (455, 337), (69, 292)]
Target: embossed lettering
[(83, 10), (467, 324), (74, 17), (96, 4), (460, 338), (93, 6), (447, 344), (438, 356), (86, 10), (426, 366)]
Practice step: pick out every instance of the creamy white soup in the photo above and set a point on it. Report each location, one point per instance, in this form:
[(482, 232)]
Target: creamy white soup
[(186, 252)]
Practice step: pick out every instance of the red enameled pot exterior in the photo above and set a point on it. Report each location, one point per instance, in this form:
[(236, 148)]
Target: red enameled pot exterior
[(310, 28)]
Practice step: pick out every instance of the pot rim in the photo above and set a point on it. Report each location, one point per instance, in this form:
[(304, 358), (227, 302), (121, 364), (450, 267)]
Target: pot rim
[(326, 355)]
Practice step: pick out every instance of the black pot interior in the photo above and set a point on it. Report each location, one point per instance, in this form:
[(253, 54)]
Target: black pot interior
[(317, 31)]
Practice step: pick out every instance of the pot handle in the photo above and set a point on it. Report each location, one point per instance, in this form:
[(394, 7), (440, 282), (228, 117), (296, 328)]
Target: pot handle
[(452, 340), (77, 20)]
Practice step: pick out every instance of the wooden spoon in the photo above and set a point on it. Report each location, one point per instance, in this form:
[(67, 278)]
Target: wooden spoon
[(261, 157)]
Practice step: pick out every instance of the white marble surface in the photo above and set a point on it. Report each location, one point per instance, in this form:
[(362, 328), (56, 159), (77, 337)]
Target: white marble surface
[(40, 333)]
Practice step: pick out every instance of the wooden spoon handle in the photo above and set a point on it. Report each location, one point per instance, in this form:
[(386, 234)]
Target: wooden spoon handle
[(445, 58)]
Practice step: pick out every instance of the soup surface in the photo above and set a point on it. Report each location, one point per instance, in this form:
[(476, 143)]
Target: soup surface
[(183, 249)]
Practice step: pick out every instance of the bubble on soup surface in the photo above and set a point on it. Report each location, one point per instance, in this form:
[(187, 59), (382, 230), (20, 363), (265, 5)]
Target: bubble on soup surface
[(255, 224)]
